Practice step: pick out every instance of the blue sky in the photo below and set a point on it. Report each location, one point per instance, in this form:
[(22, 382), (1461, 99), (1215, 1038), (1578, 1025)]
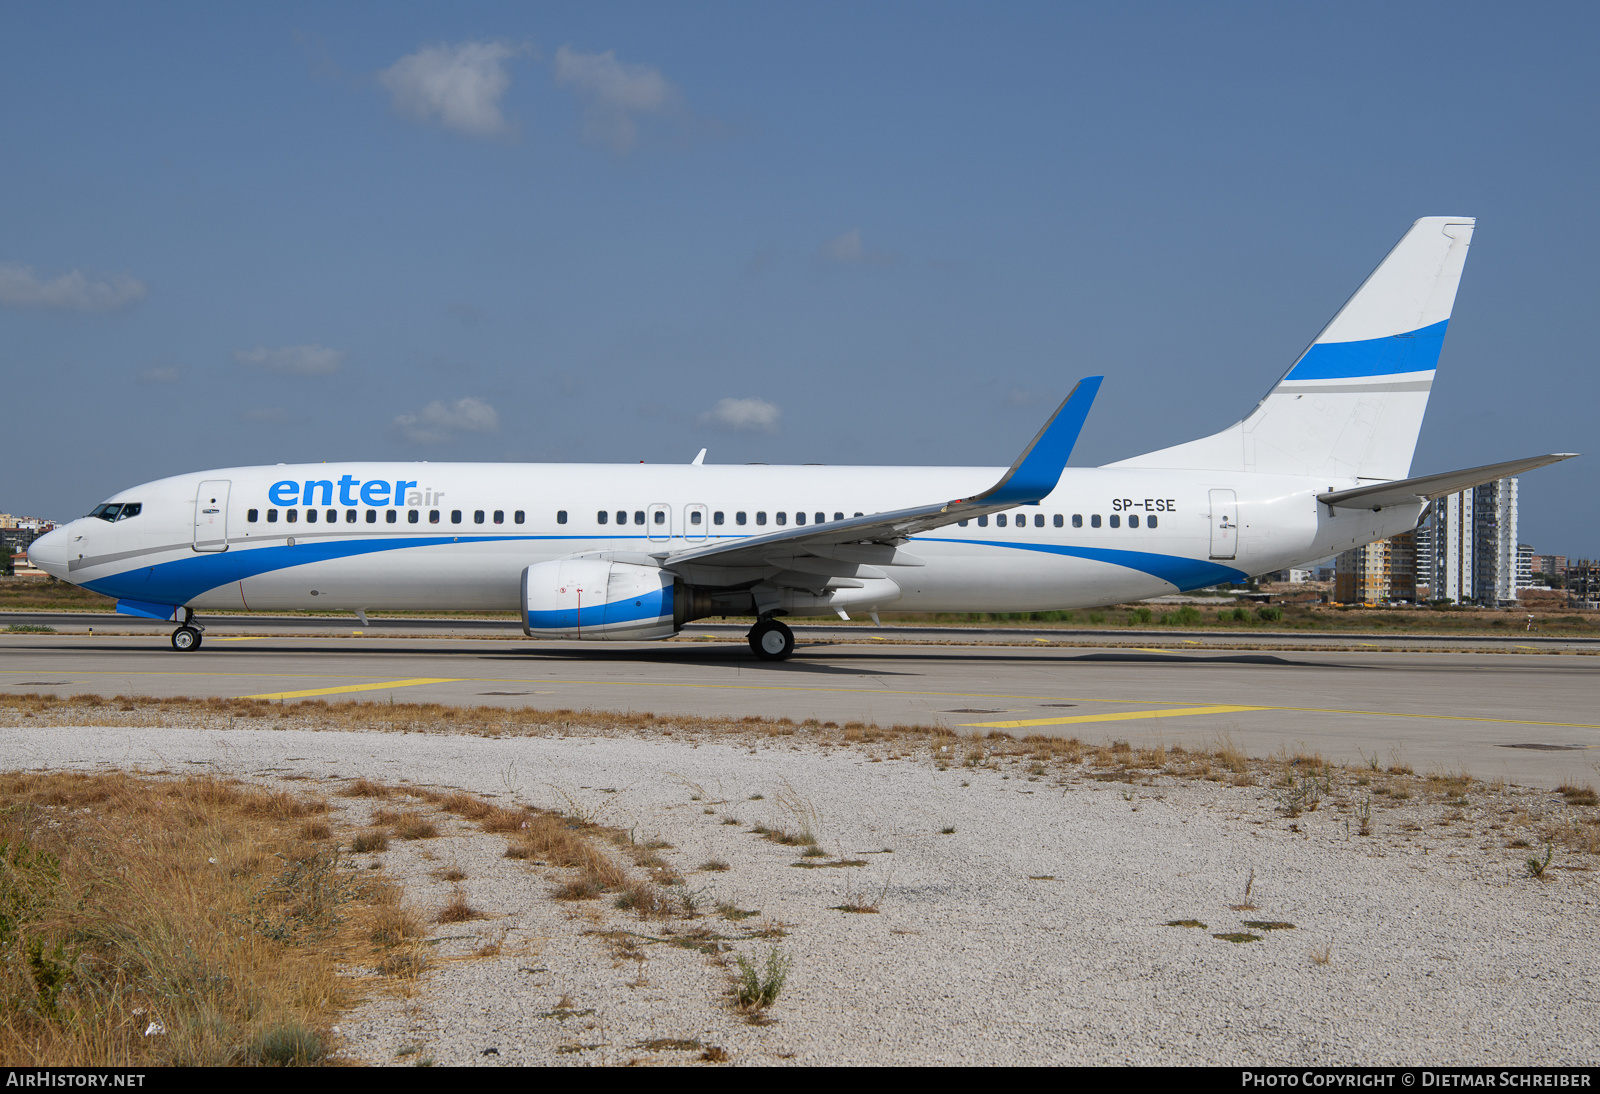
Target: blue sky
[(825, 233)]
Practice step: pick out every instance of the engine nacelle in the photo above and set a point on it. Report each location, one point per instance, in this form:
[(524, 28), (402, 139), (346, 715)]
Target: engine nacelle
[(599, 600)]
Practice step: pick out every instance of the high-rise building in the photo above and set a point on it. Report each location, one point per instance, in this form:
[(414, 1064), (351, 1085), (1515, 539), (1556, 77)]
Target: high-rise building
[(1471, 545), (1524, 566), (1583, 583), (1379, 573)]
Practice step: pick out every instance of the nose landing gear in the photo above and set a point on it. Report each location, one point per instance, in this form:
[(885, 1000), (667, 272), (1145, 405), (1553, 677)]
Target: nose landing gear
[(770, 640)]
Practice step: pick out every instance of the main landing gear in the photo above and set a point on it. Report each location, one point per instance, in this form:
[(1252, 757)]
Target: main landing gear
[(187, 636), (770, 640)]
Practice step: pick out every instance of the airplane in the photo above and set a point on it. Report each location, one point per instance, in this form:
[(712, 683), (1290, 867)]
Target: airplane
[(635, 551)]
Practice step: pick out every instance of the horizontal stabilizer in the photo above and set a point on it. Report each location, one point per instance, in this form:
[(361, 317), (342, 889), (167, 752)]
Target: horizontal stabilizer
[(1410, 491)]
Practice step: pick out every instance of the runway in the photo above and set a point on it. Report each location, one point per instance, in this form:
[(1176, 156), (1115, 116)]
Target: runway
[(1528, 717)]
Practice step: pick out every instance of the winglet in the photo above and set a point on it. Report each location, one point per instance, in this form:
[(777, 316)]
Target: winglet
[(1038, 469)]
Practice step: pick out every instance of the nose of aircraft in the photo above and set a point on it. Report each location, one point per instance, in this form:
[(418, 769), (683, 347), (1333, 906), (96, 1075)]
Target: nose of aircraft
[(49, 552)]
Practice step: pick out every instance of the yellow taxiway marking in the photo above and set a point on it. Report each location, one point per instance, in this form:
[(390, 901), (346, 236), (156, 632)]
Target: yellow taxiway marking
[(414, 682), (1115, 716), (990, 696), (1151, 649)]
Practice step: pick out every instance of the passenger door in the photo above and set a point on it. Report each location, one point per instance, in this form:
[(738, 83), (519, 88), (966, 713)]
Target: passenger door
[(211, 515)]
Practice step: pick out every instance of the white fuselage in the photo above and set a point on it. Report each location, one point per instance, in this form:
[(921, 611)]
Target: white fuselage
[(256, 547)]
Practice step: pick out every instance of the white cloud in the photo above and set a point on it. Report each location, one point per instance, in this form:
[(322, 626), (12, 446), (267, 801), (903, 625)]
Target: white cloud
[(20, 287), (161, 374), (742, 415), (439, 423), (848, 248), (614, 94), (296, 360), (459, 86)]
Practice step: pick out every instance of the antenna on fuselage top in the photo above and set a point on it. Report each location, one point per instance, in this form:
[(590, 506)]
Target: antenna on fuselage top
[(698, 460)]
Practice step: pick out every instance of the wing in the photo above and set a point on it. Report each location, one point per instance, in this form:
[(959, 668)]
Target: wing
[(1427, 487), (875, 539)]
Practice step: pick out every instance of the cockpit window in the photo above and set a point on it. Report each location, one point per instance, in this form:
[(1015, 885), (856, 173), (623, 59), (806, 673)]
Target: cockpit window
[(117, 510)]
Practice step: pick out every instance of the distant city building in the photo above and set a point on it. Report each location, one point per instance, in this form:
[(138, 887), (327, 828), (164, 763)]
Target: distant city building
[(1287, 577), (1468, 546), (1524, 566), (1550, 565), (1379, 573), (1583, 583)]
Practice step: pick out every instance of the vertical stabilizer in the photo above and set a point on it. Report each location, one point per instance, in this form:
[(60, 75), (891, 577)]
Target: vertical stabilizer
[(1352, 405)]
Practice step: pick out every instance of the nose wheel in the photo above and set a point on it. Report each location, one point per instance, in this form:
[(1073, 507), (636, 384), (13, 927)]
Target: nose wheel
[(186, 638), (770, 640)]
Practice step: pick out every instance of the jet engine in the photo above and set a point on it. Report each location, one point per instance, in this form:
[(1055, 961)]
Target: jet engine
[(603, 600)]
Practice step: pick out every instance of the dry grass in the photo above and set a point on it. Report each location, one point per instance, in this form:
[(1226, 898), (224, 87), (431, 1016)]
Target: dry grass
[(130, 901), (458, 910)]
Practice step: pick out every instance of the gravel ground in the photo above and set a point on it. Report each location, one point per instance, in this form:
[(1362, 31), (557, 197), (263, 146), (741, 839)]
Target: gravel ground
[(1021, 918)]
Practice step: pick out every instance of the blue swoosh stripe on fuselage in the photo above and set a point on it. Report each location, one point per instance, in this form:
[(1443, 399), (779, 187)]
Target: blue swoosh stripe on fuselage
[(1185, 573), (181, 580), (1413, 351)]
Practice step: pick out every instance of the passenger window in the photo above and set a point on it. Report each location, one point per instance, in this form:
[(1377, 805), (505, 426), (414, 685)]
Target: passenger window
[(1038, 520), (433, 516), (983, 521), (1116, 521), (821, 517), (372, 516), (799, 518), (252, 515), (413, 515), (783, 518), (349, 516), (858, 514), (1094, 520), (477, 517), (962, 524), (519, 516), (561, 517), (1133, 520), (291, 515), (694, 516), (601, 517), (1000, 520), (622, 516), (738, 518), (761, 518), (272, 516), (1077, 520), (638, 516), (311, 516), (716, 518), (391, 516), (1059, 521), (331, 516), (500, 516), (455, 516), (837, 516), (661, 516), (1150, 522)]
